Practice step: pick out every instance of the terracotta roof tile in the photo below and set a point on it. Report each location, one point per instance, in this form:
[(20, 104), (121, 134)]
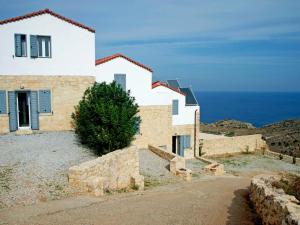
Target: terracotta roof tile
[(108, 58), (46, 11), (159, 83)]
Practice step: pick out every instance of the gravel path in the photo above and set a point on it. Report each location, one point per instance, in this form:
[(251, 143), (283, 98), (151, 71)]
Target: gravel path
[(155, 169), (34, 167)]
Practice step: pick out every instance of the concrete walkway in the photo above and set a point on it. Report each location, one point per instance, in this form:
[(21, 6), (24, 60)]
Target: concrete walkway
[(206, 201)]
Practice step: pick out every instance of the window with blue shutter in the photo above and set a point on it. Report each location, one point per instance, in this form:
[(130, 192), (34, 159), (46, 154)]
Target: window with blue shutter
[(20, 45), (175, 107), (120, 79), (44, 101), (3, 102), (33, 46)]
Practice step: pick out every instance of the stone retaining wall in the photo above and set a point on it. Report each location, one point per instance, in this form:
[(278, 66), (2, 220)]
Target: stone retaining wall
[(177, 163), (273, 205), (283, 157), (230, 145), (116, 170)]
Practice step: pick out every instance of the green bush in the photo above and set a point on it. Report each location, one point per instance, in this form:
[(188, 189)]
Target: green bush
[(106, 118)]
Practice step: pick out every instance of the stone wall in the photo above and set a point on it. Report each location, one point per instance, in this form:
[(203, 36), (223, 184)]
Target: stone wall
[(116, 170), (156, 126), (233, 145), (273, 205), (177, 163), (66, 91), (283, 157)]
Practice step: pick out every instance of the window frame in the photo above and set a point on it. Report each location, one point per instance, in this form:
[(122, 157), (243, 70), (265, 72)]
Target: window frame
[(25, 51), (38, 38), (122, 75), (177, 111)]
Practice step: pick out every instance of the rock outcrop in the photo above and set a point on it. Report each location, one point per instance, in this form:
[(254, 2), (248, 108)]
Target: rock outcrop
[(273, 205)]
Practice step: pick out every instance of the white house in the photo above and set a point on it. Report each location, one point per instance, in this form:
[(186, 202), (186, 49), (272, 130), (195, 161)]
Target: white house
[(130, 74), (45, 43), (163, 107), (47, 61)]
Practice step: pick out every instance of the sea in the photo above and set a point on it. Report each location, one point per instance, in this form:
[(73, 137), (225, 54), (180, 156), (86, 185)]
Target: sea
[(258, 108)]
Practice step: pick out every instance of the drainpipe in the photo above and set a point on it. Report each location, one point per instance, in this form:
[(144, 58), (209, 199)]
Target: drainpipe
[(195, 130)]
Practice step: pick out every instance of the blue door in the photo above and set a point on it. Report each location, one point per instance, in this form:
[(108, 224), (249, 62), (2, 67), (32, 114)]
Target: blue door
[(12, 104), (181, 145), (34, 110)]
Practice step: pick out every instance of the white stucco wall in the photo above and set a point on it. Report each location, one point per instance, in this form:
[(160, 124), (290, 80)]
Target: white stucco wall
[(73, 48), (164, 95), (138, 79)]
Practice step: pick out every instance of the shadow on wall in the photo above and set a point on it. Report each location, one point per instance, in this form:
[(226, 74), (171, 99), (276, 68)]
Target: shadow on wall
[(241, 212)]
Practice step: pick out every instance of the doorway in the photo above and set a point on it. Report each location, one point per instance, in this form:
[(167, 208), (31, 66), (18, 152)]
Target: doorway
[(174, 144), (23, 107)]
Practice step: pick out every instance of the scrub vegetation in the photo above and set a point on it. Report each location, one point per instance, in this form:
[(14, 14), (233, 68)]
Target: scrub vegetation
[(106, 118)]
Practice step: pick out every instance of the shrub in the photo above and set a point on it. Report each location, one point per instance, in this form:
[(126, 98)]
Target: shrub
[(106, 118)]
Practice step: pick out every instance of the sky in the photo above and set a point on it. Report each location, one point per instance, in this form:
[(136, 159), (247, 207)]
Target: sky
[(221, 45)]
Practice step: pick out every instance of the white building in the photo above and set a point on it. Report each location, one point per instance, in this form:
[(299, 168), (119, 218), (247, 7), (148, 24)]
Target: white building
[(46, 63), (45, 43), (137, 78)]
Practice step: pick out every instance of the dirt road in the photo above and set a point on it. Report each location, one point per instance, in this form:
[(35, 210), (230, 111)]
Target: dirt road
[(205, 201)]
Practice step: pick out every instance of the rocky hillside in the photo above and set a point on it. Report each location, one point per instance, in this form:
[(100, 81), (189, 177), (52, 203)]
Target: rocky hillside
[(283, 137)]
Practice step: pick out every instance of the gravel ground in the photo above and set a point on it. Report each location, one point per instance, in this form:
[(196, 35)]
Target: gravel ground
[(154, 169), (255, 164), (34, 167), (195, 165)]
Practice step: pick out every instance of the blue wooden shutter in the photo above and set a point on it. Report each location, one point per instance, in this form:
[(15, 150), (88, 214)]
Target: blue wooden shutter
[(45, 101), (18, 45), (175, 107), (34, 110), (12, 104), (187, 141), (2, 102), (120, 79), (33, 46), (181, 146)]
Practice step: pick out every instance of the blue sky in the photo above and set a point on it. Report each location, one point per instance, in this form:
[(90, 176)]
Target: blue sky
[(225, 45)]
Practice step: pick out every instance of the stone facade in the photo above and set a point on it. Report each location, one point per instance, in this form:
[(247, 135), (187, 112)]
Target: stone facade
[(233, 145), (189, 129), (156, 126), (116, 170), (66, 91), (273, 205)]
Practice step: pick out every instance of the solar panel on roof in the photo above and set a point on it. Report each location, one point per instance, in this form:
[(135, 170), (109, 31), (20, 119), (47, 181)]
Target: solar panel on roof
[(189, 96), (173, 83)]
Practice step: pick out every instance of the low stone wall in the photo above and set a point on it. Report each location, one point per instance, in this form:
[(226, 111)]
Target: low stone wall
[(273, 205), (177, 163), (213, 167), (283, 157), (232, 145), (116, 170)]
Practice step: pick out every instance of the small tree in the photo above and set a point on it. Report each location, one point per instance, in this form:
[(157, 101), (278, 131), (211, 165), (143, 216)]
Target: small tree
[(106, 118)]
